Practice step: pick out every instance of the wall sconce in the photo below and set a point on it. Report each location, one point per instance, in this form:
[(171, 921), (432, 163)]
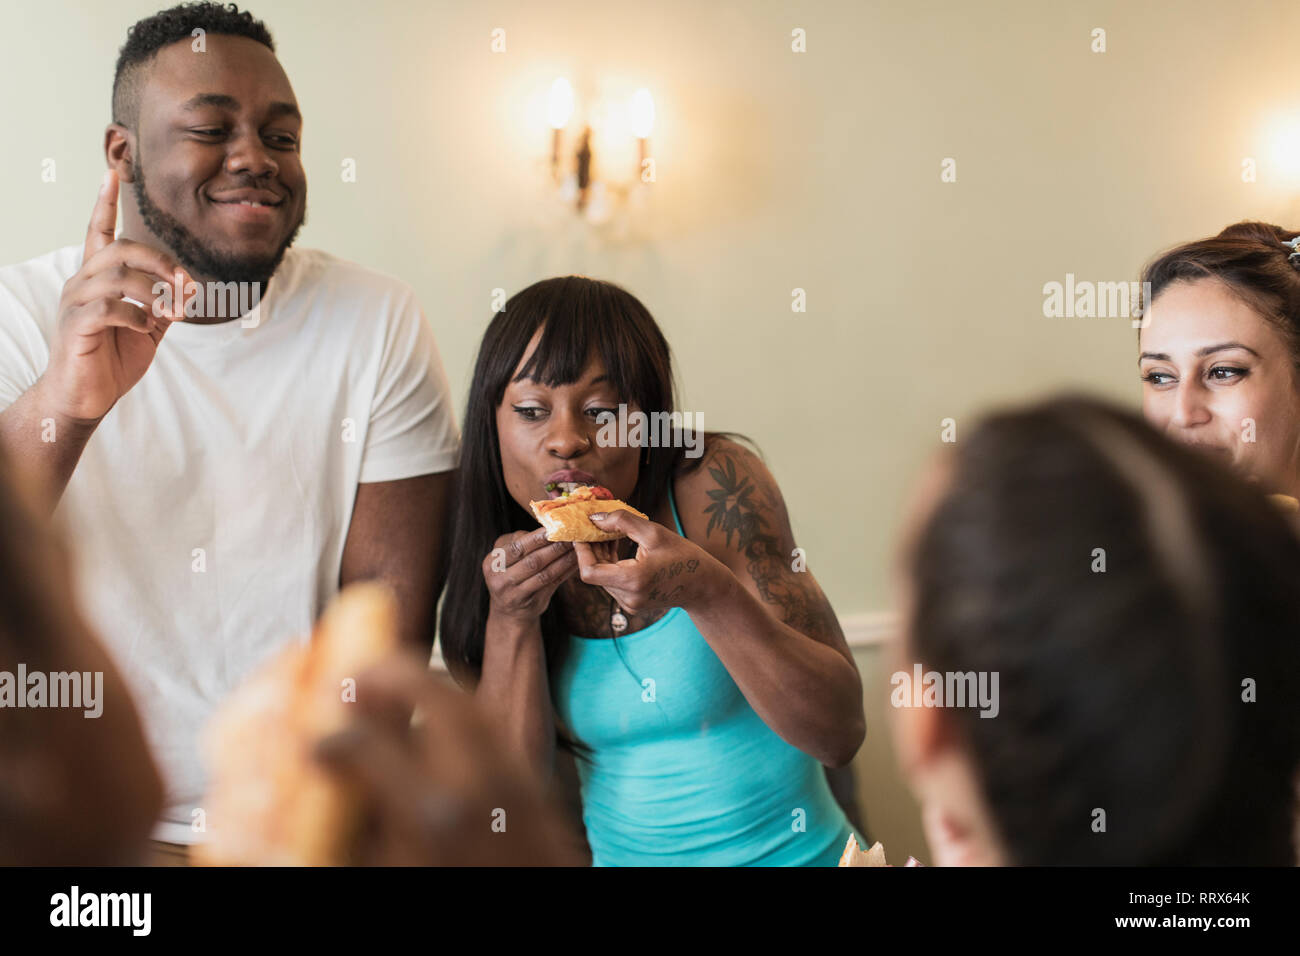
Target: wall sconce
[(596, 189), (559, 110)]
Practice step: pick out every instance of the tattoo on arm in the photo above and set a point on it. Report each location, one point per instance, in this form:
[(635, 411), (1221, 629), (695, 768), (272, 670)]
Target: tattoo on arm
[(734, 512), (664, 575)]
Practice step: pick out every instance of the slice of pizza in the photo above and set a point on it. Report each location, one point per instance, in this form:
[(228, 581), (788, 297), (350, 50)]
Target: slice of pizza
[(568, 517)]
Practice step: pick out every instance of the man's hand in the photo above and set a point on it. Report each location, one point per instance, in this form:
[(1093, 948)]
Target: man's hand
[(103, 344)]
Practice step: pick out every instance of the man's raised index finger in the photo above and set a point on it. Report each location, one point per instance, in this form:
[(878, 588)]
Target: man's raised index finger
[(103, 220)]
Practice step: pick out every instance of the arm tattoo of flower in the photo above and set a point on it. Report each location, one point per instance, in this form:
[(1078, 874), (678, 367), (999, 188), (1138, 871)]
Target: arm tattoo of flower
[(736, 514)]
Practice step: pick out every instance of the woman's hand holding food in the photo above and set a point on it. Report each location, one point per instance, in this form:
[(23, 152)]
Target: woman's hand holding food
[(668, 570), (523, 571)]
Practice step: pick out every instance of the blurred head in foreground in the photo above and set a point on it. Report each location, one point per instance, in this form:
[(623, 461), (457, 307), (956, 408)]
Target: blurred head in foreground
[(1219, 353), (1130, 612), (78, 784)]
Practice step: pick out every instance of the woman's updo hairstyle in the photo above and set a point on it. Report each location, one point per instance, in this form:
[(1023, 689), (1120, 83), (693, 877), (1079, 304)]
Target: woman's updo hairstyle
[(1256, 262)]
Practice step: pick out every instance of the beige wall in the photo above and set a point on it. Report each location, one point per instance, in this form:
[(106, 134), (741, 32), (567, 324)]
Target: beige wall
[(776, 170)]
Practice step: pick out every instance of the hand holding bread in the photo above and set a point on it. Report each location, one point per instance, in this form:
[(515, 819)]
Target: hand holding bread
[(439, 790), (523, 571), (667, 570)]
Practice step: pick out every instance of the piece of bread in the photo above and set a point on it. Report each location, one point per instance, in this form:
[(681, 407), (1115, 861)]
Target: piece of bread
[(571, 521), (268, 803), (853, 855)]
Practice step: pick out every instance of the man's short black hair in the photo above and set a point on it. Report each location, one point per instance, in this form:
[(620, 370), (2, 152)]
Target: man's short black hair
[(146, 38)]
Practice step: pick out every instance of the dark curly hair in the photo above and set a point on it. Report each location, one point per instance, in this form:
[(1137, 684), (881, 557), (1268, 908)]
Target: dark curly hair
[(147, 37)]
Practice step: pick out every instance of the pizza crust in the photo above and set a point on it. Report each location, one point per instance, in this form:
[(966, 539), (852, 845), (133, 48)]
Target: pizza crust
[(572, 522)]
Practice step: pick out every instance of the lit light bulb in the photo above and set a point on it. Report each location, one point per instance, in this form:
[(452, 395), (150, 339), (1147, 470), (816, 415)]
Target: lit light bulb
[(642, 113), (1282, 136), (559, 105)]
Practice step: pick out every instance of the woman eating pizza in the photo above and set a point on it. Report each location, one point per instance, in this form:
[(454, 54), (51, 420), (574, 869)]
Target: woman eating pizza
[(695, 669)]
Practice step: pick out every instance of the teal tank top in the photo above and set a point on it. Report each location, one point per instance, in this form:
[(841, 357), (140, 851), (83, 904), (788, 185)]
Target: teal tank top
[(682, 771)]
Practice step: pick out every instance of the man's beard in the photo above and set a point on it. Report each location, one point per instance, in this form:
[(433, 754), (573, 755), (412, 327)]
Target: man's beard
[(203, 260)]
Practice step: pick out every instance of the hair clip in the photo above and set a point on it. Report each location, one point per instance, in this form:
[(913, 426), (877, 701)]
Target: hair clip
[(1294, 246)]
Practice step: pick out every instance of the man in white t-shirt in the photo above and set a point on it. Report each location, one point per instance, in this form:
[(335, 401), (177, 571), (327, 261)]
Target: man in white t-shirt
[(220, 477)]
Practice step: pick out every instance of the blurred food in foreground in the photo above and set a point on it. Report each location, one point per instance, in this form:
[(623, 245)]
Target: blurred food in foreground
[(440, 791), (269, 803), (316, 762)]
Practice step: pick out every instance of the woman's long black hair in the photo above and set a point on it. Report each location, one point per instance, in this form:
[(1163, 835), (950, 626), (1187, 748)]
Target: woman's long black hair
[(579, 317)]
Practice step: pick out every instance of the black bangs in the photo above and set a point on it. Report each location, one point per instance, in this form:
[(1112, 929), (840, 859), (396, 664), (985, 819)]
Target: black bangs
[(583, 317)]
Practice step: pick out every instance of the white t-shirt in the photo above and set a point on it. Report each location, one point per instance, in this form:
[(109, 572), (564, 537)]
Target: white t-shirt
[(208, 513)]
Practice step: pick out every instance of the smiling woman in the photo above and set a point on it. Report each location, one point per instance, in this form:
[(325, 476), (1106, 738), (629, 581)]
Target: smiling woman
[(1220, 350)]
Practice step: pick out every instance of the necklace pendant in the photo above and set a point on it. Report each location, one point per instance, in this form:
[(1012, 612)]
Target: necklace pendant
[(618, 622)]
